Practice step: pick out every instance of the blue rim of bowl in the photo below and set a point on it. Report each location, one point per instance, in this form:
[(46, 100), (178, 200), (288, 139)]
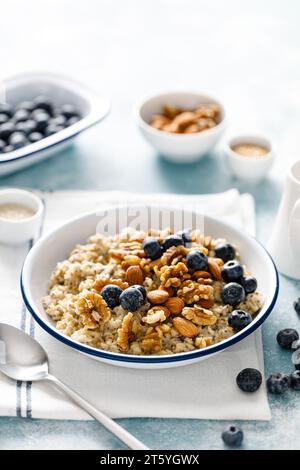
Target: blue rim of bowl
[(157, 360)]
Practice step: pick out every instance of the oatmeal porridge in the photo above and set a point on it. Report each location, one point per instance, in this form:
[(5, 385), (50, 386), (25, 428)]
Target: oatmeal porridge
[(152, 293)]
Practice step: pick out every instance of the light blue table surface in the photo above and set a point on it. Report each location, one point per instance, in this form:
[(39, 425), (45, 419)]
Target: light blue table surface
[(247, 53)]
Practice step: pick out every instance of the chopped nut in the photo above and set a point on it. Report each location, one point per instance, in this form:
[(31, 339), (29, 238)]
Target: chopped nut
[(125, 332), (104, 281), (214, 269), (134, 275), (185, 327), (200, 316), (175, 305), (93, 308), (157, 296), (156, 314), (191, 291), (152, 341), (203, 342)]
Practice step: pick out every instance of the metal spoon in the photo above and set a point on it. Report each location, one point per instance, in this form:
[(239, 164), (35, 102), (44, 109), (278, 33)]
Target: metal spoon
[(23, 358)]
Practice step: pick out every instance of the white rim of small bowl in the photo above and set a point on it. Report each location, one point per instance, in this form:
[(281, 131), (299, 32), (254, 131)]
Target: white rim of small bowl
[(143, 359), (256, 139), (32, 196), (142, 123)]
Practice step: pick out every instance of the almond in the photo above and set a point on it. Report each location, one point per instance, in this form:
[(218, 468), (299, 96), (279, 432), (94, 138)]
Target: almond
[(158, 296), (214, 269), (206, 303), (202, 274), (175, 305), (185, 327), (134, 275)]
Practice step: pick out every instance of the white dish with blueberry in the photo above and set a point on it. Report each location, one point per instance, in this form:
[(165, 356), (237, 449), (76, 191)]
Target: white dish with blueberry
[(41, 114), (70, 312)]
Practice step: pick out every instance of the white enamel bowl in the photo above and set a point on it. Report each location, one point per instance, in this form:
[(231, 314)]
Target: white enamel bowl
[(56, 246), (92, 107), (179, 148)]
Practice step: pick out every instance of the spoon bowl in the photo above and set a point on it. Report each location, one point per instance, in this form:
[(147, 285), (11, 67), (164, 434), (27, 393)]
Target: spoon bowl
[(21, 356)]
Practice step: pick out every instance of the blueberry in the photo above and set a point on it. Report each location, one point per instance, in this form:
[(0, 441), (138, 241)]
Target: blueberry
[(286, 337), (3, 118), (68, 110), (58, 120), (295, 380), (8, 148), (132, 299), (197, 260), (72, 120), (297, 305), (232, 293), (6, 129), (111, 295), (27, 127), (249, 380), (225, 251), (172, 240), (278, 383), (43, 102), (53, 129), (27, 105), (295, 345), (152, 248), (2, 145), (41, 118), (141, 289), (7, 109), (17, 140), (21, 115), (239, 319), (35, 137), (233, 436), (185, 235), (249, 283), (232, 271), (296, 359)]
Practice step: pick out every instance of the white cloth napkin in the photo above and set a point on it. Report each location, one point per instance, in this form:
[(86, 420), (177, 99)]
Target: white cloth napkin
[(204, 390)]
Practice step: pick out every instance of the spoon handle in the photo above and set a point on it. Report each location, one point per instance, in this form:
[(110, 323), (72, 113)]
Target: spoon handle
[(107, 422)]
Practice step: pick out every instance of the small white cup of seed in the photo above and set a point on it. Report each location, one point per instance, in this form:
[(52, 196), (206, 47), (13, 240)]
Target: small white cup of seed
[(21, 214)]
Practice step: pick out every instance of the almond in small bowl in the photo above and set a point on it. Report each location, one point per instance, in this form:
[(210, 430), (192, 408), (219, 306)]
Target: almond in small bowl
[(249, 157), (182, 127)]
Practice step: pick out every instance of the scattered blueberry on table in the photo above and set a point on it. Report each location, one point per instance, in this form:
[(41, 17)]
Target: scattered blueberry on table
[(278, 383), (295, 380), (30, 121), (249, 380), (233, 436), (286, 337), (297, 306), (296, 359)]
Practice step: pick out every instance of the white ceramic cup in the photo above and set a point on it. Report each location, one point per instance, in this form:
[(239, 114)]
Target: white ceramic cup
[(249, 169), (284, 244), (16, 231)]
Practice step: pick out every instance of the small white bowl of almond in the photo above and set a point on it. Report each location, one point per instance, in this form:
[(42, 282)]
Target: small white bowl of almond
[(182, 126), (21, 214), (249, 157)]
